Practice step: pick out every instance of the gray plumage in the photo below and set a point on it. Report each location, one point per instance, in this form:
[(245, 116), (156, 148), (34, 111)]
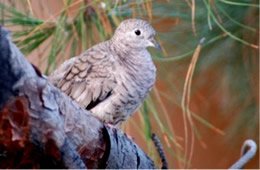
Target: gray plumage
[(112, 78)]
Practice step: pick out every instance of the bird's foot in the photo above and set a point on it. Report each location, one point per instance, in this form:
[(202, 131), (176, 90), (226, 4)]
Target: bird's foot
[(130, 137), (111, 126)]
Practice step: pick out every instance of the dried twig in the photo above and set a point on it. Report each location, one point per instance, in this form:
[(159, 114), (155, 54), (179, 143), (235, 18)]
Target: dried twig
[(160, 150), (248, 151)]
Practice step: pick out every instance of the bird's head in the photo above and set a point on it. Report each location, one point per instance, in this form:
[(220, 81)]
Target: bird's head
[(136, 33)]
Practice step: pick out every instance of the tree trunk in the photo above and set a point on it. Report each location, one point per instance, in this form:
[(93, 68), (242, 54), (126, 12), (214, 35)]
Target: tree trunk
[(41, 127)]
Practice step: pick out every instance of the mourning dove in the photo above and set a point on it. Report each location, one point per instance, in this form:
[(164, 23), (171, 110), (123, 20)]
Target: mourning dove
[(112, 78)]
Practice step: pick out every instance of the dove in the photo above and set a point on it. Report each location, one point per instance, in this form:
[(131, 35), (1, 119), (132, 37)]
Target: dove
[(112, 78)]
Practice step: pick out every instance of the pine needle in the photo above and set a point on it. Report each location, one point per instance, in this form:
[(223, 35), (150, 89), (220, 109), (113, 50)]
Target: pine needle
[(185, 104)]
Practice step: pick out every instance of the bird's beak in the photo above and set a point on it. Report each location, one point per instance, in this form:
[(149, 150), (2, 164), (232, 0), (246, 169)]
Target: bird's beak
[(155, 44)]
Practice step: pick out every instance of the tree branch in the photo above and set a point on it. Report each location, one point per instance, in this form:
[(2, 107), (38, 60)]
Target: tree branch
[(43, 128)]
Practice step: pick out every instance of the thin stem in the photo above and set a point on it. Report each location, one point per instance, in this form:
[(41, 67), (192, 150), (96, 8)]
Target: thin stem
[(238, 3)]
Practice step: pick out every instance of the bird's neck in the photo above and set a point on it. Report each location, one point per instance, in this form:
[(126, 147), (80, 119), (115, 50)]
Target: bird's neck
[(126, 52)]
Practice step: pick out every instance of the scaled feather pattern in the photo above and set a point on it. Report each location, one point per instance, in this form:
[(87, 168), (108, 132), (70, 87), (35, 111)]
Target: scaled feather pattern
[(112, 78)]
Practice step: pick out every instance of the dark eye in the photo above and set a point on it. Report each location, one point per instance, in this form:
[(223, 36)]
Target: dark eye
[(137, 32)]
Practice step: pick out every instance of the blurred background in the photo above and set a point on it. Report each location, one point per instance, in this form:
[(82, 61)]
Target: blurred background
[(205, 102)]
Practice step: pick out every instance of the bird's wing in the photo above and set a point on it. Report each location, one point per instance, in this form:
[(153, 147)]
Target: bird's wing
[(88, 79)]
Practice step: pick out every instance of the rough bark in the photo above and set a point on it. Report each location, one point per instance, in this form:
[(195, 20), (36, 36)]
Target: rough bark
[(41, 127)]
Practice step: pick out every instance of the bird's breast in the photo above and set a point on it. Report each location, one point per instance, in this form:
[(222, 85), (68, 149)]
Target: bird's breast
[(137, 80)]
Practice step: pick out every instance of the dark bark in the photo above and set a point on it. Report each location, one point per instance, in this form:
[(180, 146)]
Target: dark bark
[(41, 127), (125, 153)]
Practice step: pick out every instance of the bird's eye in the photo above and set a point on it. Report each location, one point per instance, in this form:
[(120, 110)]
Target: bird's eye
[(138, 32)]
